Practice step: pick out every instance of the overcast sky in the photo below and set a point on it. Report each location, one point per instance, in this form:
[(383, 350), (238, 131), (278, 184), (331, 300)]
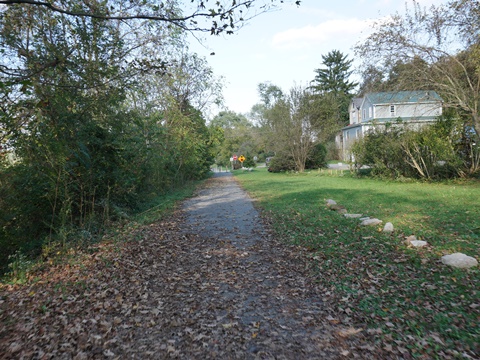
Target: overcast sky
[(285, 47)]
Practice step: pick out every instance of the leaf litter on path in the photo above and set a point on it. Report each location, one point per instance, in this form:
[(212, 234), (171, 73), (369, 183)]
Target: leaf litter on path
[(188, 287)]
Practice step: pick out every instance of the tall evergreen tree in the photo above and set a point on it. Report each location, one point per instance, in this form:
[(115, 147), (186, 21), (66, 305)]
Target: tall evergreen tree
[(334, 78), (332, 87)]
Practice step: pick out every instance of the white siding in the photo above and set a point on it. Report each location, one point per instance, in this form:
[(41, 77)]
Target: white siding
[(354, 115), (417, 110), (426, 109), (367, 112)]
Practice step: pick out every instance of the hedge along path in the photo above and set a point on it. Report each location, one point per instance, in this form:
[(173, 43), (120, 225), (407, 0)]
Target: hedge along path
[(209, 282)]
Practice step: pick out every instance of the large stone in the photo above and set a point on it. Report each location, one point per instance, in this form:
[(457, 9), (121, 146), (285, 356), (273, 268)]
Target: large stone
[(331, 202), (336, 207), (412, 241), (459, 260), (418, 243), (371, 222), (388, 227), (410, 238), (352, 216)]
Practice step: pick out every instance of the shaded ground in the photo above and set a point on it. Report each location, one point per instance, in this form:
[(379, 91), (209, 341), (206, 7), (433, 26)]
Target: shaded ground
[(211, 282)]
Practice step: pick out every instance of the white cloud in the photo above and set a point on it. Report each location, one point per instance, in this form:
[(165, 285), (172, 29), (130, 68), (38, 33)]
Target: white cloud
[(331, 30)]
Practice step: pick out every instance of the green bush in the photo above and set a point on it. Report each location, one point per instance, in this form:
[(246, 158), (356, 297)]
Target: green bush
[(249, 162), (317, 158), (281, 162), (64, 186), (432, 152), (381, 150)]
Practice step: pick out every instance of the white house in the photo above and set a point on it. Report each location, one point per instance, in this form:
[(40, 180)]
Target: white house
[(416, 108)]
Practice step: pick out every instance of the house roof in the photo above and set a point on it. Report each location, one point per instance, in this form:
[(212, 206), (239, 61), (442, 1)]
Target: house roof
[(357, 102), (403, 97)]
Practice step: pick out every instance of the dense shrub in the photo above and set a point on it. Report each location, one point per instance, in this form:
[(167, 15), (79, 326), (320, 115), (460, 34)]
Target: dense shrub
[(381, 150), (438, 151), (285, 162), (61, 192), (430, 153), (281, 162), (317, 157), (249, 162)]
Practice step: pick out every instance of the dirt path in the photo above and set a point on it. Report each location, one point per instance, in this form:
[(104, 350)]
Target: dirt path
[(210, 283)]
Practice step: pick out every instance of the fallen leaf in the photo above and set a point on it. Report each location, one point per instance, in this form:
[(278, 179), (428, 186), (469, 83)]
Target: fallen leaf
[(349, 332)]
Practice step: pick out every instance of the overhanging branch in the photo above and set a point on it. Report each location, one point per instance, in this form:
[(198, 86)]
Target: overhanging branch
[(223, 13)]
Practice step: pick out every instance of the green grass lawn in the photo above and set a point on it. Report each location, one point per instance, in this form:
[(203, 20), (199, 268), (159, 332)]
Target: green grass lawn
[(413, 301)]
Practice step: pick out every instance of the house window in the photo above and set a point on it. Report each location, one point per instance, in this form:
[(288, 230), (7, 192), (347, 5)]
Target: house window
[(392, 110), (370, 112), (364, 114)]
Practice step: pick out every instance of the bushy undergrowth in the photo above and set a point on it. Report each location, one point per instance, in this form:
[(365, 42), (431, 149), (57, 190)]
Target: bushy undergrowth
[(64, 192), (443, 150)]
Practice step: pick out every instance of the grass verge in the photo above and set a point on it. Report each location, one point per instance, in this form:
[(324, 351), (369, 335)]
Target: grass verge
[(414, 303)]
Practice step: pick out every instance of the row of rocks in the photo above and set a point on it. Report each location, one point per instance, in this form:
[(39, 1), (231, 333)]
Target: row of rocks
[(457, 260), (365, 221)]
